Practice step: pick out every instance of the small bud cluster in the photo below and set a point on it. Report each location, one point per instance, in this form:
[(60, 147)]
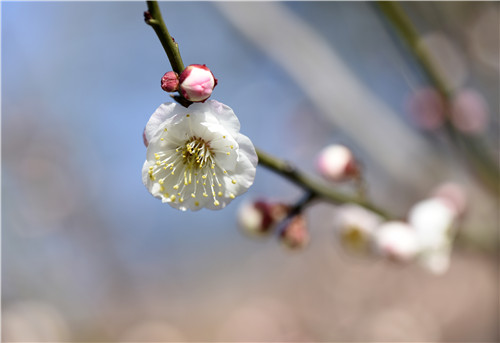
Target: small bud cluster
[(195, 83), (295, 234), (262, 217), (335, 163)]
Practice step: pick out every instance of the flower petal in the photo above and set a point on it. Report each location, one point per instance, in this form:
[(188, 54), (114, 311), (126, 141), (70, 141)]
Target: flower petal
[(225, 115), (161, 116), (244, 173)]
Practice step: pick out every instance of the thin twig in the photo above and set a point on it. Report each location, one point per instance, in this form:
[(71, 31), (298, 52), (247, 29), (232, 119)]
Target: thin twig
[(154, 19), (317, 188), (485, 168)]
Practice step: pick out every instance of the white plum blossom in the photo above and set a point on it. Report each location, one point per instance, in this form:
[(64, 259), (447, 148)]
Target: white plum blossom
[(196, 156), (355, 226), (434, 220), (397, 240)]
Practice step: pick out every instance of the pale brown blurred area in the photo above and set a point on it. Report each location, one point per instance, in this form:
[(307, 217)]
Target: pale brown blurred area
[(263, 293), (89, 256)]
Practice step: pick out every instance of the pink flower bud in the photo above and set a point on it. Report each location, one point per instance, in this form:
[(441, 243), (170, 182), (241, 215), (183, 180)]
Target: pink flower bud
[(426, 108), (397, 241), (469, 112), (261, 216), (170, 81), (336, 163), (295, 234), (197, 83)]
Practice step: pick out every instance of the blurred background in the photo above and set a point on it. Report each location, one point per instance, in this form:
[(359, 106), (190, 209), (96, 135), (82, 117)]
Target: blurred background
[(89, 255)]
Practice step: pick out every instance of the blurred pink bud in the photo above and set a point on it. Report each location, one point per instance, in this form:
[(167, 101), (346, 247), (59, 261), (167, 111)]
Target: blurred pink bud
[(170, 81), (197, 83), (259, 217), (336, 163), (453, 195), (469, 112), (295, 234), (426, 108), (144, 138), (397, 240)]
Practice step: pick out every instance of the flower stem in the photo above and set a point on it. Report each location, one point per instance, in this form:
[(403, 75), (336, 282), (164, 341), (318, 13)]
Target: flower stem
[(154, 19), (316, 188), (313, 188)]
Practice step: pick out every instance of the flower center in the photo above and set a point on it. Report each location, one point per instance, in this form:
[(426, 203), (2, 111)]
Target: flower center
[(196, 153), (189, 171)]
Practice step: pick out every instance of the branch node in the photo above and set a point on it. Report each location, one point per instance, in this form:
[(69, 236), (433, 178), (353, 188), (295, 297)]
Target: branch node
[(148, 17)]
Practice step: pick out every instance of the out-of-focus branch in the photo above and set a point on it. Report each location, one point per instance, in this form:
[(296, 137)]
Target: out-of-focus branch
[(485, 168), (396, 15)]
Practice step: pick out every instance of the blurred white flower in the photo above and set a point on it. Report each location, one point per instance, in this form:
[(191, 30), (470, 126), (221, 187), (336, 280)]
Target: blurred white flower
[(196, 156), (355, 226), (433, 221), (336, 163), (397, 241)]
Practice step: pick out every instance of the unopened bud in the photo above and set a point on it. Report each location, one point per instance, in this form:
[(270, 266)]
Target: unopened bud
[(426, 108), (260, 217), (197, 83), (469, 112), (170, 81), (336, 163), (295, 234), (397, 241)]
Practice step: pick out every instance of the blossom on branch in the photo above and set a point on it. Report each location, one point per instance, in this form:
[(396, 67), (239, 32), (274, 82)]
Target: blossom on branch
[(196, 156)]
